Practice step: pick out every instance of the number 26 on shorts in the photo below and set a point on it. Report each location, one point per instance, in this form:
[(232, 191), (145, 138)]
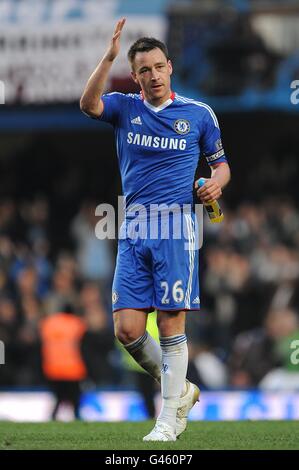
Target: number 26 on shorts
[(177, 292)]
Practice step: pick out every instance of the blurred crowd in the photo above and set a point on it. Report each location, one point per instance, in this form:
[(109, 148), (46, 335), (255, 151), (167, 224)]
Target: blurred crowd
[(249, 292), (233, 58), (36, 283), (250, 296)]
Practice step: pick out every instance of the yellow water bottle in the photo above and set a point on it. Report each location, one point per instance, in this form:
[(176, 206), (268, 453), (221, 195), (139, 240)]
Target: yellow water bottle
[(212, 207)]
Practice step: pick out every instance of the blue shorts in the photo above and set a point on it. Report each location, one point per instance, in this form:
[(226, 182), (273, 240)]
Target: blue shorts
[(160, 271)]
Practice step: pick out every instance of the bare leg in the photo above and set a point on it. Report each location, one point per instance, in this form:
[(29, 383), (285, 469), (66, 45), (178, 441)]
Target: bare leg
[(130, 329)]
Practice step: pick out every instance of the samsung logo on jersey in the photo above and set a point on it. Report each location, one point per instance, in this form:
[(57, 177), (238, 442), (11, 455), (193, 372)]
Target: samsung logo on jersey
[(144, 140)]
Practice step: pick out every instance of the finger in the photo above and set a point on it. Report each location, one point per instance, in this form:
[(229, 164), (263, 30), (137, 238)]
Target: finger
[(212, 190), (202, 191), (209, 196), (117, 33), (116, 36), (210, 184), (120, 25), (117, 27), (122, 22)]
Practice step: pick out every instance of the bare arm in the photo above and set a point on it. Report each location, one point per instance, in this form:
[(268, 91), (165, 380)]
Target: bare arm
[(91, 103), (221, 173), (212, 189)]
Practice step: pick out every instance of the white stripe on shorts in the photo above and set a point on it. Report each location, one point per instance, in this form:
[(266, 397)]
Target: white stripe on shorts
[(191, 249)]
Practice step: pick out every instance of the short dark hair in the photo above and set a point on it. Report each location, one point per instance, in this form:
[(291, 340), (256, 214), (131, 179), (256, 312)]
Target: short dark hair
[(144, 45)]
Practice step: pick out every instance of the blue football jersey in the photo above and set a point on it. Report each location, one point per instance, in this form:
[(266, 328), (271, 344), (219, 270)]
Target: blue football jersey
[(159, 148)]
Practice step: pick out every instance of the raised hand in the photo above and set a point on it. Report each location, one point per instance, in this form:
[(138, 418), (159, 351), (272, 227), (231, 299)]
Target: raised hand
[(114, 47)]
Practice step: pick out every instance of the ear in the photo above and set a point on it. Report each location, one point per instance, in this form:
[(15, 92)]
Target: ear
[(170, 68), (134, 77)]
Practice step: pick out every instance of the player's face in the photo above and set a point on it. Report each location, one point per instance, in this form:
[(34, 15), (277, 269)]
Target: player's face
[(152, 71)]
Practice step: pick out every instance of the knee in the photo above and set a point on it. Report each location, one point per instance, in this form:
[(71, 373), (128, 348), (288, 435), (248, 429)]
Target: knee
[(125, 334), (129, 325)]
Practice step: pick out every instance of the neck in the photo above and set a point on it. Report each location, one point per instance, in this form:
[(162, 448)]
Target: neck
[(158, 101)]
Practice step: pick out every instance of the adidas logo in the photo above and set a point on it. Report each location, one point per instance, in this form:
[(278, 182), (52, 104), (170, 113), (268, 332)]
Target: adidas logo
[(196, 300), (137, 120)]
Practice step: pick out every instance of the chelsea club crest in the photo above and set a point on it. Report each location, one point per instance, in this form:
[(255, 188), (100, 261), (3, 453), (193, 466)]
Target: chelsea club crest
[(181, 126)]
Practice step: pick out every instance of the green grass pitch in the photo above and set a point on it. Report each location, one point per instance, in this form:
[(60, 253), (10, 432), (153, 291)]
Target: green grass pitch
[(248, 435)]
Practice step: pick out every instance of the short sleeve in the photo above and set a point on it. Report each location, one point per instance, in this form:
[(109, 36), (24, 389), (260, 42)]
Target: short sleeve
[(210, 141), (113, 105)]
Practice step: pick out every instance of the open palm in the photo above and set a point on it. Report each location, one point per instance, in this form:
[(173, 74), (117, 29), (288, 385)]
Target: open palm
[(115, 41)]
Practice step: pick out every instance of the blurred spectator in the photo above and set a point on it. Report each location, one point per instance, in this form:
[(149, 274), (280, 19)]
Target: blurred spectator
[(42, 264), (94, 256), (36, 215), (62, 363), (206, 366), (8, 328), (257, 352), (63, 290), (26, 282), (241, 58), (6, 259), (98, 340), (205, 369), (286, 330), (11, 224), (231, 295), (28, 342)]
